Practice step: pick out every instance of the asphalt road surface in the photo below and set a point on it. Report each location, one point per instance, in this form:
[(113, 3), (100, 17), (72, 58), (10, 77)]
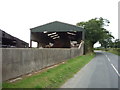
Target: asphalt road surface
[(101, 72)]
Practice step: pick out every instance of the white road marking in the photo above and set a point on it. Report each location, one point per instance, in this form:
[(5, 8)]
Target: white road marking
[(107, 58), (113, 66), (115, 70)]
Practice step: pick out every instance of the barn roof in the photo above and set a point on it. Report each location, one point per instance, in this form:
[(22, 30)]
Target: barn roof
[(56, 26)]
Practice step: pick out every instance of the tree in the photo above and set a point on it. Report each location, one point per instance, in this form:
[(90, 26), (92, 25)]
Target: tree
[(117, 43), (106, 41), (95, 32)]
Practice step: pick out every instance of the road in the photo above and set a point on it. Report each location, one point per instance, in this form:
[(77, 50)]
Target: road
[(101, 72)]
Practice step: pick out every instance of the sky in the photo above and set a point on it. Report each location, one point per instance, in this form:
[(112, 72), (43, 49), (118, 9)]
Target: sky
[(18, 16)]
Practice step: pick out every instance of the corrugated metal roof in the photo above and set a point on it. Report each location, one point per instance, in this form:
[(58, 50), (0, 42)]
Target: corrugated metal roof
[(56, 26), (6, 35)]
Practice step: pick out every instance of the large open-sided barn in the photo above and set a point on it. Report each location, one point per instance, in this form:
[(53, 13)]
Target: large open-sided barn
[(57, 35)]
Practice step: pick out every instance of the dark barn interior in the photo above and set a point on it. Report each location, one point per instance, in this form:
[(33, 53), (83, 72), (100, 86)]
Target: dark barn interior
[(57, 35), (8, 41)]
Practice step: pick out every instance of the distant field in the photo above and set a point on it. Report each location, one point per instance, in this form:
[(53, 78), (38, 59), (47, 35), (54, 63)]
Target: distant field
[(54, 77)]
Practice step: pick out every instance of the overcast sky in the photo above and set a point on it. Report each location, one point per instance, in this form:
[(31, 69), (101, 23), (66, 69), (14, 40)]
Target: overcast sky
[(18, 16)]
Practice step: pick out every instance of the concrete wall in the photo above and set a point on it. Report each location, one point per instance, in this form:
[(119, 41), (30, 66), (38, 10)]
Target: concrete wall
[(19, 61)]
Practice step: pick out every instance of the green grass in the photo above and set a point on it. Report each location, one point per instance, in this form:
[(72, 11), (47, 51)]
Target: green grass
[(54, 77), (111, 50), (114, 51)]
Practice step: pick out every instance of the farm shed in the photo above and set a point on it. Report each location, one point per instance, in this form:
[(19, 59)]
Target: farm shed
[(9, 41), (57, 35)]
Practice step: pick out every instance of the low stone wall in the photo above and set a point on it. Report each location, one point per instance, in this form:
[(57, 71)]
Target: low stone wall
[(20, 61)]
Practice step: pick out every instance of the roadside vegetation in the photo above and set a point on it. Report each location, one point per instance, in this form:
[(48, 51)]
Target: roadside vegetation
[(95, 31), (110, 50), (114, 51), (53, 77)]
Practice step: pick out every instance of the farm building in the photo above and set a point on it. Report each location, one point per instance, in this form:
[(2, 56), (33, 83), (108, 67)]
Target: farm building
[(57, 35), (9, 41)]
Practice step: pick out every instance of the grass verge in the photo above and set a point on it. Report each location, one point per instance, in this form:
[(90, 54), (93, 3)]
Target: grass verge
[(114, 51), (54, 77)]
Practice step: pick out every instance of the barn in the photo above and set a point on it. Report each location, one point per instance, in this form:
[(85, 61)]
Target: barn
[(57, 35), (9, 41)]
